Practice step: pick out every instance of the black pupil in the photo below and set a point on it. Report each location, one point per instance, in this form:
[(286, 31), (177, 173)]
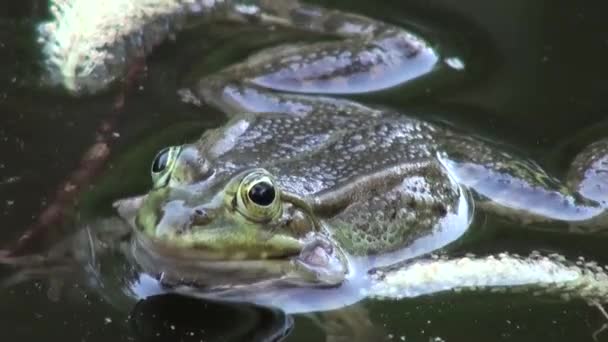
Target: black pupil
[(262, 194), (160, 162)]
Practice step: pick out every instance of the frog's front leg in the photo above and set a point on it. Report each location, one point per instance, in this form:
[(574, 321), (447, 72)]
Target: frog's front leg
[(520, 189), (370, 56)]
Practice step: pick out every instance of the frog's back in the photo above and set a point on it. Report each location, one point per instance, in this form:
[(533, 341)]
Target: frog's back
[(372, 176), (381, 190), (257, 139), (359, 152)]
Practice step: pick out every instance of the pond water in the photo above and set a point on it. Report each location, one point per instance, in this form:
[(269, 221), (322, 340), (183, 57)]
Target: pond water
[(535, 76)]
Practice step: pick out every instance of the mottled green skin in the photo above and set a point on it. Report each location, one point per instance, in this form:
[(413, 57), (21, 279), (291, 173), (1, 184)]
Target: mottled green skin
[(375, 181), (379, 186)]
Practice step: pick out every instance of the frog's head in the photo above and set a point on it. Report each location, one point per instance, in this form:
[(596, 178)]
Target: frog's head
[(199, 227)]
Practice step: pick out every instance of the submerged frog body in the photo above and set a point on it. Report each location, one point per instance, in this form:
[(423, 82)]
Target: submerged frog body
[(316, 197), (303, 191)]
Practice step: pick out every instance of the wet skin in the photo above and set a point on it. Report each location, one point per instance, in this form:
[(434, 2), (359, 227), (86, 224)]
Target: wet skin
[(312, 203), (301, 189)]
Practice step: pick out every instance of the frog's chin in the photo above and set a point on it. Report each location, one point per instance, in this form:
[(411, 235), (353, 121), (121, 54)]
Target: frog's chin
[(318, 263)]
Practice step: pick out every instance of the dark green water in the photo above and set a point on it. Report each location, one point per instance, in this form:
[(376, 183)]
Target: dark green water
[(536, 76)]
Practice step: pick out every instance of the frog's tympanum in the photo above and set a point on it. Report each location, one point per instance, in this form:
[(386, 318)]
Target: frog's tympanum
[(303, 193)]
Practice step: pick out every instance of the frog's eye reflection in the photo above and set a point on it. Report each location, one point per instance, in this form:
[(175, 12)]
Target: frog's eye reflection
[(163, 164), (160, 162), (258, 197), (262, 193)]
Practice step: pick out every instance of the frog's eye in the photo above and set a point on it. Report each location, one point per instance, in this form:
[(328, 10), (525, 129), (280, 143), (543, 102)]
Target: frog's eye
[(163, 164), (258, 197), (262, 193)]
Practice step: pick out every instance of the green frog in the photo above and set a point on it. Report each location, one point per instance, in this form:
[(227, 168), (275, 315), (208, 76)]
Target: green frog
[(310, 203)]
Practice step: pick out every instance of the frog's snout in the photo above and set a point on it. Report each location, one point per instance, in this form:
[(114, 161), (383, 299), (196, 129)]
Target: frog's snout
[(127, 208)]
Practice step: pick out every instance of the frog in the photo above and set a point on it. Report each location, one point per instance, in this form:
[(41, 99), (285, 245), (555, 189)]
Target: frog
[(311, 202)]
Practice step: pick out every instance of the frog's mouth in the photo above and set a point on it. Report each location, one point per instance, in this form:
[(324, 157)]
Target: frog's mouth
[(312, 260), (317, 263)]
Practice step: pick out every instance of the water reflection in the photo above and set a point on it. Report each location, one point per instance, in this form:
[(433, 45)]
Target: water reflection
[(548, 82), (177, 318)]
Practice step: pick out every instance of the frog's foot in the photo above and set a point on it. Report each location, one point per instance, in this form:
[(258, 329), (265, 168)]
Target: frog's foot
[(600, 307), (599, 331), (604, 326)]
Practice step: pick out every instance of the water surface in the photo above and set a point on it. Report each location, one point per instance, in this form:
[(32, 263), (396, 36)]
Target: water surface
[(535, 77)]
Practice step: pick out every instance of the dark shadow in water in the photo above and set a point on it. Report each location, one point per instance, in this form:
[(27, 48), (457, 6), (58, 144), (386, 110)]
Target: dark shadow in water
[(167, 318)]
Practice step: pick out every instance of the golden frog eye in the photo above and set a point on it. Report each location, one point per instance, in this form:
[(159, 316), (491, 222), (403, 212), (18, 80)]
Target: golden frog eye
[(258, 197), (163, 165)]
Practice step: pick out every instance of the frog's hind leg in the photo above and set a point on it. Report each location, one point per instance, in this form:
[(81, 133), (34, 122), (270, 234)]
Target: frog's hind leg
[(542, 275), (370, 56), (519, 189), (545, 276)]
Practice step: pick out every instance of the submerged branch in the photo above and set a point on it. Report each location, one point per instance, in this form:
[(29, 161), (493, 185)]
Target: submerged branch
[(91, 165)]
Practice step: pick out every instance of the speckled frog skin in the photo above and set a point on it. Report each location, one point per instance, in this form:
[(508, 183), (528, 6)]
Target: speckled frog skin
[(308, 190), (301, 190)]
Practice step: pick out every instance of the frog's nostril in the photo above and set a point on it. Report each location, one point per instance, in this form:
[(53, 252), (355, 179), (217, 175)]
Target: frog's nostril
[(200, 217)]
